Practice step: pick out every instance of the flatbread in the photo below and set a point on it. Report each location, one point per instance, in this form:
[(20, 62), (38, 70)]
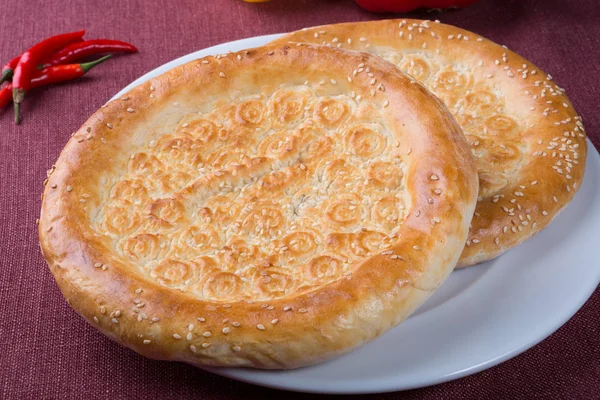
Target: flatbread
[(266, 208)]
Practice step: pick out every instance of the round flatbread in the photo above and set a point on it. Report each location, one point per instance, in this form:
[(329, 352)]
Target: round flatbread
[(528, 141), (266, 208)]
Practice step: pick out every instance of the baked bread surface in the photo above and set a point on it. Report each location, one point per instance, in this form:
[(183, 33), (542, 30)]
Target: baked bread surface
[(527, 139), (267, 208)]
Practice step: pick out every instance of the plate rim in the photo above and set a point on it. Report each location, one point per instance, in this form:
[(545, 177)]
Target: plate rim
[(250, 376)]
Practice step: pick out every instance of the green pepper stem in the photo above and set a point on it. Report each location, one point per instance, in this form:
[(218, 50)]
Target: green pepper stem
[(89, 65), (6, 75), (17, 110)]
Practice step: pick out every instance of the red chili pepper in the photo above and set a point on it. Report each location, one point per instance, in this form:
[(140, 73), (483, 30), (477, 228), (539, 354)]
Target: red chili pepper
[(8, 69), (5, 96), (410, 5), (78, 51), (27, 66), (49, 76)]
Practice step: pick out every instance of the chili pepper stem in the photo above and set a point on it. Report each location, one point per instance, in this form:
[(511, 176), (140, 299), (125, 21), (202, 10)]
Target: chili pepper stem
[(6, 75), (18, 96), (87, 66)]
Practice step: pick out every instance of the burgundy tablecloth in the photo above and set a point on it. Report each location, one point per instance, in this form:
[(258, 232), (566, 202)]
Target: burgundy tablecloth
[(47, 351)]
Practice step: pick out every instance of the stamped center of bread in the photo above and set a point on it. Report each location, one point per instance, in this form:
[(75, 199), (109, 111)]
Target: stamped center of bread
[(261, 198), (494, 134)]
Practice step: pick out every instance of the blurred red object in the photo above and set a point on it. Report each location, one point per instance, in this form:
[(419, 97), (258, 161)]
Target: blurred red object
[(410, 5)]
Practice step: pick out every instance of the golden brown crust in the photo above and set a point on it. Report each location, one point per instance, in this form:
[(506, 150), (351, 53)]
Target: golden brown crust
[(167, 219), (528, 141)]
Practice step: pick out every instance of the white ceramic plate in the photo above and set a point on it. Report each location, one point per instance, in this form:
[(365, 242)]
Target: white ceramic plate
[(480, 317)]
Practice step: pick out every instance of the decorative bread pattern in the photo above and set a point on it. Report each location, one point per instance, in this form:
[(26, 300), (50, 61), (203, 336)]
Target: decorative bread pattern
[(267, 208), (528, 141), (263, 197)]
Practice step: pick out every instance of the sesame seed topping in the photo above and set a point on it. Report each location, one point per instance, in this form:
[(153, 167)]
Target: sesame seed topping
[(96, 320), (189, 336), (207, 334), (236, 324), (205, 345), (202, 319), (302, 310), (260, 327), (115, 321), (193, 348), (287, 308), (274, 321), (130, 110), (236, 348), (222, 74), (176, 336), (226, 330)]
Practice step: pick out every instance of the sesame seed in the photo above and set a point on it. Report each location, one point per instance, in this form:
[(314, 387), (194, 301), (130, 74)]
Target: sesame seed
[(236, 324), (69, 188), (222, 74), (193, 348), (109, 125), (176, 336), (226, 330), (189, 336), (205, 345), (201, 319), (115, 321), (287, 308), (274, 321), (96, 320), (207, 334), (146, 341), (130, 110), (236, 348), (302, 310), (260, 327)]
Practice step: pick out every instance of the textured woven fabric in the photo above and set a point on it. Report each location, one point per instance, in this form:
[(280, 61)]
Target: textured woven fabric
[(47, 351)]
